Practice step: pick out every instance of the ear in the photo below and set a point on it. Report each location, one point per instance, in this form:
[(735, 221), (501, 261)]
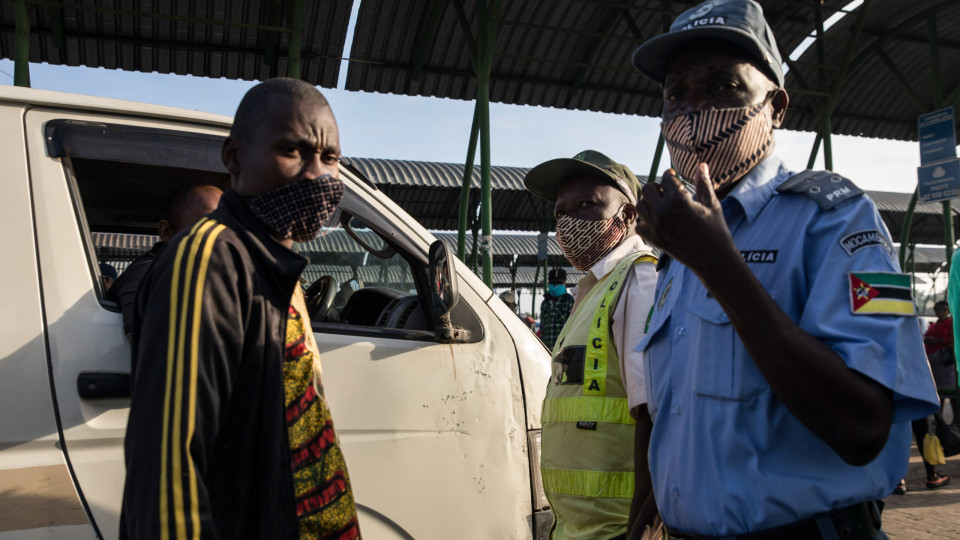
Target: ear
[(164, 230), (630, 214), (230, 155), (779, 104)]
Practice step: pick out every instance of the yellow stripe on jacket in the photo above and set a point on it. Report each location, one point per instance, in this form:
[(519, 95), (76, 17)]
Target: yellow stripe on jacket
[(185, 299)]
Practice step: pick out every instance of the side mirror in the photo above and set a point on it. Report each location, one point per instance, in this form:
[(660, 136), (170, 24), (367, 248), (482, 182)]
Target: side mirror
[(443, 294)]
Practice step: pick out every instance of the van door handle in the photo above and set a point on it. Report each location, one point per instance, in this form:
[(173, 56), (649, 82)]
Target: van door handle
[(103, 385)]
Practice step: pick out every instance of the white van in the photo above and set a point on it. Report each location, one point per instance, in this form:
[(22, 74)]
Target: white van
[(439, 414)]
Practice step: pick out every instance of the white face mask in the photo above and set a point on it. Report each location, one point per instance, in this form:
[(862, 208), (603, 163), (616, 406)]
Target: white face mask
[(729, 141)]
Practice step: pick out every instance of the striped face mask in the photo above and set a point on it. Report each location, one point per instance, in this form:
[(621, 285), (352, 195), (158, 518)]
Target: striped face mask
[(729, 141)]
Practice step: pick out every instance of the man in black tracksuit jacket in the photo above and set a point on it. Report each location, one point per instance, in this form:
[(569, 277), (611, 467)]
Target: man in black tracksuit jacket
[(207, 452)]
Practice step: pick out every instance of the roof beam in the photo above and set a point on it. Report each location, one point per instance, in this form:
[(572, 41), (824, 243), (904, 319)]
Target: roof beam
[(943, 43), (157, 16), (580, 64), (464, 23), (936, 82), (173, 45), (871, 49), (898, 75), (272, 38), (576, 32), (589, 52), (513, 78), (425, 38)]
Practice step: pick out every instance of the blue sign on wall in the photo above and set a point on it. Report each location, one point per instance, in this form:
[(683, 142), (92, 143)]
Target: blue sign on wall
[(937, 136), (939, 181)]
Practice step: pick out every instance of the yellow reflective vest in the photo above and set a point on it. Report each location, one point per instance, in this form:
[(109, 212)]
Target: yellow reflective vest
[(588, 433)]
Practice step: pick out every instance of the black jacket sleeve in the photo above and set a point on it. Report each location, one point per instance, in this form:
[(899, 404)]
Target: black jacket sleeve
[(188, 339)]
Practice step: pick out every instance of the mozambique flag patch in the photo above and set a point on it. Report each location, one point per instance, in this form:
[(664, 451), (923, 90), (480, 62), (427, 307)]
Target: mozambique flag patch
[(881, 293)]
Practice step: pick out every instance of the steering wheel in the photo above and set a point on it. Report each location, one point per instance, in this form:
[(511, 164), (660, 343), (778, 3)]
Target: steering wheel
[(320, 296)]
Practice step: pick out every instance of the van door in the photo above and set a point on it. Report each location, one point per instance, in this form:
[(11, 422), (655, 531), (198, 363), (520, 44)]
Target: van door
[(37, 496), (84, 331), (434, 434)]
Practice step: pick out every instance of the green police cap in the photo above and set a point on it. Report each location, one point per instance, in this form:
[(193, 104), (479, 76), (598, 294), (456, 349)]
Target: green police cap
[(546, 178)]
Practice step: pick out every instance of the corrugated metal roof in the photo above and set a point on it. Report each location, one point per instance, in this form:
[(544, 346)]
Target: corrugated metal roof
[(570, 54), (331, 255), (516, 209), (120, 249), (204, 38), (894, 44)]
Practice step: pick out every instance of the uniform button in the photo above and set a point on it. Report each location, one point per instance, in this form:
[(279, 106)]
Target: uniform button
[(676, 411), (676, 491), (681, 331)]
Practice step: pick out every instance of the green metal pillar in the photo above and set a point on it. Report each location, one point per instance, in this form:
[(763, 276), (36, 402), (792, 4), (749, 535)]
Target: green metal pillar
[(465, 186), (657, 155), (488, 24), (827, 142), (21, 54), (938, 103), (905, 232), (533, 292), (813, 152), (293, 55)]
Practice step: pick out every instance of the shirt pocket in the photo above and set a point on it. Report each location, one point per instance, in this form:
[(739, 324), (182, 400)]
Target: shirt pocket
[(722, 369)]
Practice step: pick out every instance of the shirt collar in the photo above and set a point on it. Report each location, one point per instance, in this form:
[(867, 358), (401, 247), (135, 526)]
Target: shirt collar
[(755, 190), (605, 265)]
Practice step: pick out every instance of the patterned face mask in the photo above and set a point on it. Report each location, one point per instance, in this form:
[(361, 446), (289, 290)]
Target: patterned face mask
[(729, 141), (299, 210), (586, 242)]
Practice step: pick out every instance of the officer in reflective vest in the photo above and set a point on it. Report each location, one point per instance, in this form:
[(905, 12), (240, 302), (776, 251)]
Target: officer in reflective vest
[(596, 390)]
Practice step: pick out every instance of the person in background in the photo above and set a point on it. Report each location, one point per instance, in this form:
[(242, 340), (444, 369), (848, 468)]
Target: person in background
[(938, 344), (596, 393), (186, 206), (555, 307), (229, 434), (108, 274), (783, 357), (510, 299)]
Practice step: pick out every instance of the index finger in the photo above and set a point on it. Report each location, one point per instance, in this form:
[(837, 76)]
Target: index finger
[(671, 183)]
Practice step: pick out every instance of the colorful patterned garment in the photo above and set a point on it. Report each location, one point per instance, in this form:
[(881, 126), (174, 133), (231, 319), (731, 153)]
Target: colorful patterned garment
[(325, 505)]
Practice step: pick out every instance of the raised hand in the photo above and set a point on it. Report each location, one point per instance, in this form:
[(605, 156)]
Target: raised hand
[(691, 231)]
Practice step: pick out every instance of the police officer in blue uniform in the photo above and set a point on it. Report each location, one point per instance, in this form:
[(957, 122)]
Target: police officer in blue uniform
[(784, 359)]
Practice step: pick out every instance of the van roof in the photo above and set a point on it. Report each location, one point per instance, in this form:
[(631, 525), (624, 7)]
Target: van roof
[(47, 98)]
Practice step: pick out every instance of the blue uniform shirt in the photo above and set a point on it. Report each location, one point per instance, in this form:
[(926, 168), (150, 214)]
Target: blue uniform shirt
[(726, 457)]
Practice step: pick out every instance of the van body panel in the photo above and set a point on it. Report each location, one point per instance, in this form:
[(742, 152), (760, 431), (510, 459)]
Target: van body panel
[(434, 434)]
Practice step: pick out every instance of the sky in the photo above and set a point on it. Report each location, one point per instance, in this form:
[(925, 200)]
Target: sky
[(434, 129)]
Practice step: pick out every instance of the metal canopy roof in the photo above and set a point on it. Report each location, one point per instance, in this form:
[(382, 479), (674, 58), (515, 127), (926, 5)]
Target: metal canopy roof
[(430, 192), (891, 76), (336, 254), (575, 54), (570, 54), (236, 39)]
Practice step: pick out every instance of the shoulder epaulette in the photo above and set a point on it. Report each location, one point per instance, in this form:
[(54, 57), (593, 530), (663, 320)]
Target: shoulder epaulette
[(662, 261), (827, 188)]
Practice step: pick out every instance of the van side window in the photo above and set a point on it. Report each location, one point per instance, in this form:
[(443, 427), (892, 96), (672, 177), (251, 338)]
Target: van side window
[(355, 279), (120, 178)]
